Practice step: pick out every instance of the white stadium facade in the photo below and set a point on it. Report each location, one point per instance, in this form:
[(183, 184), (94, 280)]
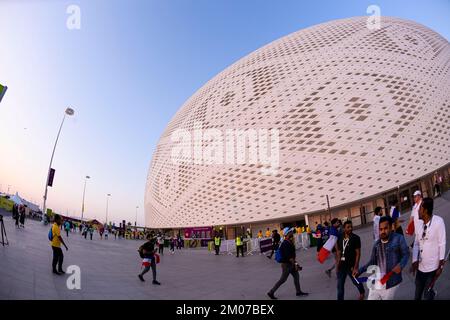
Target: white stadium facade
[(362, 116)]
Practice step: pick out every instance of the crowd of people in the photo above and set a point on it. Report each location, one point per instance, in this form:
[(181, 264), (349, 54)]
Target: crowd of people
[(389, 257), (390, 253), (18, 214)]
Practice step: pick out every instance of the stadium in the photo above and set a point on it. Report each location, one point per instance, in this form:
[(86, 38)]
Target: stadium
[(362, 117)]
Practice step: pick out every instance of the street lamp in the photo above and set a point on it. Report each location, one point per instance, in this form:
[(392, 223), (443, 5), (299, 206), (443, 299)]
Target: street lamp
[(68, 112), (84, 192), (135, 221), (107, 198)]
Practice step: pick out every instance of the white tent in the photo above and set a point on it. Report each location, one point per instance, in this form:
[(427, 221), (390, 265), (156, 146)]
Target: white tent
[(18, 200)]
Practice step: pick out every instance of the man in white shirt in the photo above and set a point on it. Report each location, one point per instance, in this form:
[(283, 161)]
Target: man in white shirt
[(376, 223), (415, 213), (429, 250)]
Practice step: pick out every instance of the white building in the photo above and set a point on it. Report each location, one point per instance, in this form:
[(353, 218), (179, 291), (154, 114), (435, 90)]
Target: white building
[(359, 113)]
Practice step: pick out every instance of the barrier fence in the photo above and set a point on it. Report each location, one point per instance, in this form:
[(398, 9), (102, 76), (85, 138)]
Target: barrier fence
[(258, 245)]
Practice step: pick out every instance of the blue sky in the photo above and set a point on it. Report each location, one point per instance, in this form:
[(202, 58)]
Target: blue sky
[(126, 72)]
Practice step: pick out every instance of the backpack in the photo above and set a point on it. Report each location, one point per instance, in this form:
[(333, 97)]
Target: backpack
[(278, 256), (50, 234), (141, 251)]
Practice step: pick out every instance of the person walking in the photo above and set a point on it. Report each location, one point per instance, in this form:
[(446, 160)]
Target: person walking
[(85, 231), (275, 242), (22, 216), (239, 246), (91, 231), (172, 245), (161, 244), (347, 260), (55, 242), (429, 251), (67, 228), (147, 252), (287, 257), (378, 212), (217, 243), (334, 229), (414, 218), (390, 255), (106, 233), (179, 242)]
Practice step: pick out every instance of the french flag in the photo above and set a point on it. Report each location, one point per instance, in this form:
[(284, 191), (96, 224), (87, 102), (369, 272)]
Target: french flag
[(324, 252), (146, 262), (410, 229), (395, 214)]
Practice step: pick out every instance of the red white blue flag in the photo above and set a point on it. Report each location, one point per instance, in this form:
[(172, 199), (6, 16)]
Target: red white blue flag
[(324, 252)]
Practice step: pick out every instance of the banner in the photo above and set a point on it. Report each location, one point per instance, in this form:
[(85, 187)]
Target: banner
[(51, 176), (265, 245), (2, 91)]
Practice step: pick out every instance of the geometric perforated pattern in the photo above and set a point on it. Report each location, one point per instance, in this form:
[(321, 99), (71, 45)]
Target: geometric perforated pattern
[(359, 111)]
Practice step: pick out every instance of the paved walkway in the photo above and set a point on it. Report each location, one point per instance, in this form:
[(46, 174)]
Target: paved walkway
[(109, 270)]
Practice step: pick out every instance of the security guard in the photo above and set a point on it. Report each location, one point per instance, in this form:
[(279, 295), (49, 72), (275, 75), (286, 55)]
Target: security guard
[(239, 246), (217, 242)]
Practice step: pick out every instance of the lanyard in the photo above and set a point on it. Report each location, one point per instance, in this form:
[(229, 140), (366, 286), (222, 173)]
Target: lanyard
[(426, 228), (422, 239), (344, 245)]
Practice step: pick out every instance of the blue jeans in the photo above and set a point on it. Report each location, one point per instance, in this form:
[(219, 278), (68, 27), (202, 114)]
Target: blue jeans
[(342, 274)]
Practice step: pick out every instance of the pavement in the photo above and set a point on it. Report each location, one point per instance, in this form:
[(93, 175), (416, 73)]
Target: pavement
[(109, 269)]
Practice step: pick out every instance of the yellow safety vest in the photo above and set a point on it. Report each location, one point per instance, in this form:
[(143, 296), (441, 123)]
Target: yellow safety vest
[(238, 241), (217, 241)]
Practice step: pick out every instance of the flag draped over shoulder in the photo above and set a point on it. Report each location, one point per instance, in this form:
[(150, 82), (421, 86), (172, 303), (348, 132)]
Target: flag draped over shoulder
[(324, 252), (395, 214)]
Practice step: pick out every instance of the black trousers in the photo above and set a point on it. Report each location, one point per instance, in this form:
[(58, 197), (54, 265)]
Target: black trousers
[(161, 249), (58, 258), (241, 249), (423, 281), (342, 274), (286, 269), (217, 247)]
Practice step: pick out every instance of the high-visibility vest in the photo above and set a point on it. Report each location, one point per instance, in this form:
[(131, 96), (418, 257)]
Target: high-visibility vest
[(217, 241), (267, 234), (238, 241)]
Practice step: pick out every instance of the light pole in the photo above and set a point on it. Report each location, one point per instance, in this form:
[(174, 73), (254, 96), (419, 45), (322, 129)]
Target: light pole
[(68, 112), (107, 198), (135, 221), (84, 192)]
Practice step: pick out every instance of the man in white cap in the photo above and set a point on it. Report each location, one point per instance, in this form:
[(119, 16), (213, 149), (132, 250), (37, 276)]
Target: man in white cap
[(415, 214)]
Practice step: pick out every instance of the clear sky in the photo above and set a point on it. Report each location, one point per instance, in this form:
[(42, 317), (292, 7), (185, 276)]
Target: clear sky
[(126, 72)]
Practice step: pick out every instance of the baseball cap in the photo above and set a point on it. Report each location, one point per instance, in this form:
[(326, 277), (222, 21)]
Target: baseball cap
[(287, 230), (417, 193)]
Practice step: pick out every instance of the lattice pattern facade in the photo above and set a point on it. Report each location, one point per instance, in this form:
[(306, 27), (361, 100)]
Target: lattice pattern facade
[(359, 111)]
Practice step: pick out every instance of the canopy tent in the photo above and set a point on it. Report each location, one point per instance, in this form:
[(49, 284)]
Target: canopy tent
[(20, 201), (16, 199)]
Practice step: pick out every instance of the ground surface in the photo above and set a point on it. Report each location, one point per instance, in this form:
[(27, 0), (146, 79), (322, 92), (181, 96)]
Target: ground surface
[(109, 270)]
